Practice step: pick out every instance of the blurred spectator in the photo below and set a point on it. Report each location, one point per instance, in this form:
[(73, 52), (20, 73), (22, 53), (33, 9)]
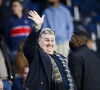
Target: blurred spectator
[(20, 81), (58, 18), (17, 28), (6, 76), (90, 44), (5, 14), (83, 63), (20, 60)]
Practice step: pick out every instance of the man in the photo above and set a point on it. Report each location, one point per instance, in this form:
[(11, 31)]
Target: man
[(58, 18), (6, 76), (84, 65), (20, 81), (48, 70), (18, 27)]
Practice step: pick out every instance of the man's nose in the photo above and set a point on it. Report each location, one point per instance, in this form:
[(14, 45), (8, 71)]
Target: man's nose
[(50, 42)]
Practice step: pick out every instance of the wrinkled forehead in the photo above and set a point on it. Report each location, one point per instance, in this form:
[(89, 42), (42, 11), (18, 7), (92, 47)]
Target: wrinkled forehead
[(43, 36), (26, 69)]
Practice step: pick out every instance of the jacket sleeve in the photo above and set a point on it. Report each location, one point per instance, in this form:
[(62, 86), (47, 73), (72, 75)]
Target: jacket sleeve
[(31, 44), (75, 66)]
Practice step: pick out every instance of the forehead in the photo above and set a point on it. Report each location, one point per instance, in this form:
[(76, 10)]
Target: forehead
[(16, 3), (26, 69), (48, 36)]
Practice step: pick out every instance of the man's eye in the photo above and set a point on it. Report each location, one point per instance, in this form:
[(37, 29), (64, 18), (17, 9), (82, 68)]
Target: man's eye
[(52, 40), (47, 40)]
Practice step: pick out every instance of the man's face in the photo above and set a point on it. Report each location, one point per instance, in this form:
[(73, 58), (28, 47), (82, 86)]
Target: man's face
[(47, 43), (25, 72), (73, 42), (17, 7)]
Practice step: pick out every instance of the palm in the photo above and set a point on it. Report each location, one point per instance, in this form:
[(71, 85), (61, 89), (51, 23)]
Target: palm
[(36, 18)]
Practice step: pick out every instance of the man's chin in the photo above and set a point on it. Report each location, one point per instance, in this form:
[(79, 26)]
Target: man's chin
[(49, 52)]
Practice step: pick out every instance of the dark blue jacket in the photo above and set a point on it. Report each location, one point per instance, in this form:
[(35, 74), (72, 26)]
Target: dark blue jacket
[(39, 76), (16, 31), (40, 72), (18, 84), (85, 68)]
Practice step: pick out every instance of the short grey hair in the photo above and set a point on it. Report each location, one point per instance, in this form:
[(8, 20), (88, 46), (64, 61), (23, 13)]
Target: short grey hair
[(47, 31)]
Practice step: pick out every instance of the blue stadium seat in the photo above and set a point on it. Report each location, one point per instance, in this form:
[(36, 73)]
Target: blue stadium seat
[(88, 6), (92, 28), (96, 18)]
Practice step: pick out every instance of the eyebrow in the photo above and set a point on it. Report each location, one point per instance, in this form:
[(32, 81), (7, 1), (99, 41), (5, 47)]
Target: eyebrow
[(48, 38)]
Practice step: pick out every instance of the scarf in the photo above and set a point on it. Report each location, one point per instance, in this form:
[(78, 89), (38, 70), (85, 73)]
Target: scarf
[(57, 81)]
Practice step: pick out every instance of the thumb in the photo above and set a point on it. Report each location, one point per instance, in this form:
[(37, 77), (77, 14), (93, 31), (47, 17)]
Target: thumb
[(43, 17)]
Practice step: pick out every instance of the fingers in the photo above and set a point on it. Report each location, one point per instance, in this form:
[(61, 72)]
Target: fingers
[(31, 13), (43, 17), (35, 13), (30, 17)]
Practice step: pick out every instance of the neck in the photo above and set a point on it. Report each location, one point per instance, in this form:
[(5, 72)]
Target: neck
[(80, 45), (19, 15), (56, 5)]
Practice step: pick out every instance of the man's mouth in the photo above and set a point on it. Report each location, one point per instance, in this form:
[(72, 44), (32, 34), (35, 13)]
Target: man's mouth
[(49, 48)]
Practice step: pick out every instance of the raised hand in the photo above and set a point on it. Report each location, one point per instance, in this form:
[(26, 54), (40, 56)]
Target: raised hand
[(33, 15)]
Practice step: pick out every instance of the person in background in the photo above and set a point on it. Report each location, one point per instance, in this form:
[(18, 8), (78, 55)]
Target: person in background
[(20, 81), (90, 44), (17, 28), (58, 18), (6, 75), (5, 14), (20, 60), (83, 63)]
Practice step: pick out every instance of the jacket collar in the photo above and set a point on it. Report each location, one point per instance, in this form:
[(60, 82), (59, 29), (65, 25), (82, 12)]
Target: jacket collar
[(80, 47)]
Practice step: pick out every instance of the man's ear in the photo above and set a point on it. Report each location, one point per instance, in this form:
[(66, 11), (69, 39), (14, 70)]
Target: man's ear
[(78, 43)]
